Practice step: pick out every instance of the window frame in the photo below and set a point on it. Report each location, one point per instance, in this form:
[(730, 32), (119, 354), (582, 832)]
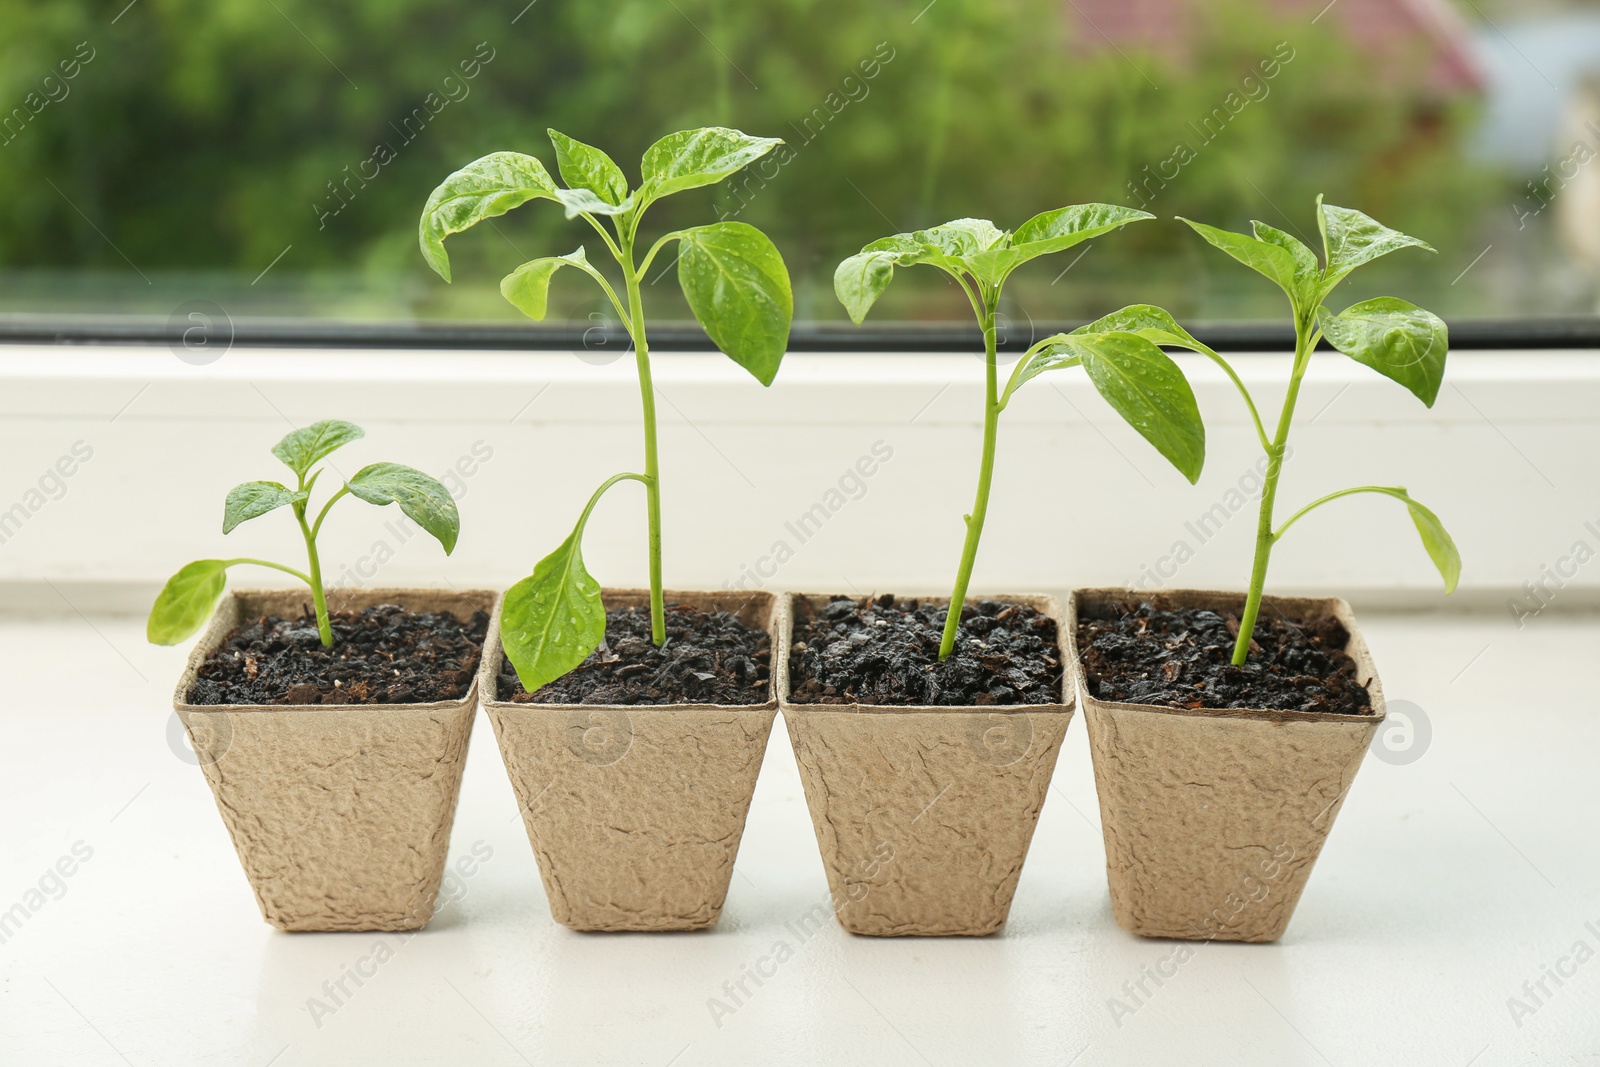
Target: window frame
[(1552, 332)]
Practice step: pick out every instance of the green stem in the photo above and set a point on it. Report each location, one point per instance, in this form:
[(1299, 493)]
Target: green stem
[(650, 256), (267, 563), (1013, 383), (652, 470), (626, 476), (980, 506), (1398, 492), (316, 527), (319, 597), (622, 312), (1249, 401), (583, 519), (604, 236), (1305, 343)]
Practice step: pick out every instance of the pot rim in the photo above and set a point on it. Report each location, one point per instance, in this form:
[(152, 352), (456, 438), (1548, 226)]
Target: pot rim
[(487, 683), (1356, 649), (1043, 602), (222, 623)]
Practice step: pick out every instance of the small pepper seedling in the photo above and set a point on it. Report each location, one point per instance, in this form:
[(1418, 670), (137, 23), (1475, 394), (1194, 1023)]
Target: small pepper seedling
[(1395, 338), (190, 595), (1140, 382), (737, 287)]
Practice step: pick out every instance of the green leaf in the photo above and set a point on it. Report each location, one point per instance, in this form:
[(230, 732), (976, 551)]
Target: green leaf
[(1137, 379), (421, 498), (905, 246), (1307, 271), (586, 167), (1262, 257), (692, 158), (583, 202), (861, 279), (254, 499), (960, 238), (528, 287), (1437, 540), (186, 601), (1054, 231), (1151, 394), (971, 246), (1350, 239), (1154, 324), (484, 188), (1067, 226), (738, 289), (1395, 338), (301, 449), (551, 620)]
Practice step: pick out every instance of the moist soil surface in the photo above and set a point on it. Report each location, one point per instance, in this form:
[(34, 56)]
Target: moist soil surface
[(1150, 652), (886, 651), (380, 655), (709, 657)]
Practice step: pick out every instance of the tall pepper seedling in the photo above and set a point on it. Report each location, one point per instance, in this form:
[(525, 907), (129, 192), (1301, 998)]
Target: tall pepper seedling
[(1395, 338), (190, 595), (737, 287), (1139, 381)]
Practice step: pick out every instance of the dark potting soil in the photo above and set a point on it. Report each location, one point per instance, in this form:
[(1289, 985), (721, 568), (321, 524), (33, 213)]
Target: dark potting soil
[(1154, 653), (380, 655), (709, 657), (883, 651)]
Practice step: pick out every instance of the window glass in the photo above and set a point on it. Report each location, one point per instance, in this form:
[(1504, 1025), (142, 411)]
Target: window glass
[(272, 156)]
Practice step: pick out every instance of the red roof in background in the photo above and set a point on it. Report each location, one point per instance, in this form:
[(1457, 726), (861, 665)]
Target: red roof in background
[(1396, 28)]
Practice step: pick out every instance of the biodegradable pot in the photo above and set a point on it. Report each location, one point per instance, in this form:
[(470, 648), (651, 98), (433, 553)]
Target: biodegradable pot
[(1213, 819), (341, 813), (634, 812), (924, 814)]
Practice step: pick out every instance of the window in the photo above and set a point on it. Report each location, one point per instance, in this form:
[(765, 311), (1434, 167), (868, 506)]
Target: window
[(271, 159)]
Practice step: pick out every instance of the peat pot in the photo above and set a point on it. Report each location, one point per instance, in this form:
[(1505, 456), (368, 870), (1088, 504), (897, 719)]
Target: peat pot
[(341, 814), (634, 811), (923, 815), (1213, 819)]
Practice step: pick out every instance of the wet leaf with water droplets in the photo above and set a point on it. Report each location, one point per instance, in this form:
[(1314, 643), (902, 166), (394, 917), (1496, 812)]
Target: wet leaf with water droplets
[(553, 619)]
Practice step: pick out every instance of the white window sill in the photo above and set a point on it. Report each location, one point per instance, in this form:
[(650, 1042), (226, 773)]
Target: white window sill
[(1452, 878), (1505, 458)]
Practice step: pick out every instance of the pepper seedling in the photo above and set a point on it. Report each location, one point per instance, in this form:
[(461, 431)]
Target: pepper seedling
[(190, 595), (1395, 338), (1140, 382), (737, 287)]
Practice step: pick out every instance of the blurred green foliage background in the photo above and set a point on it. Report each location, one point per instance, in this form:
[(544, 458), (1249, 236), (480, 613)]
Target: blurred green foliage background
[(207, 137)]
